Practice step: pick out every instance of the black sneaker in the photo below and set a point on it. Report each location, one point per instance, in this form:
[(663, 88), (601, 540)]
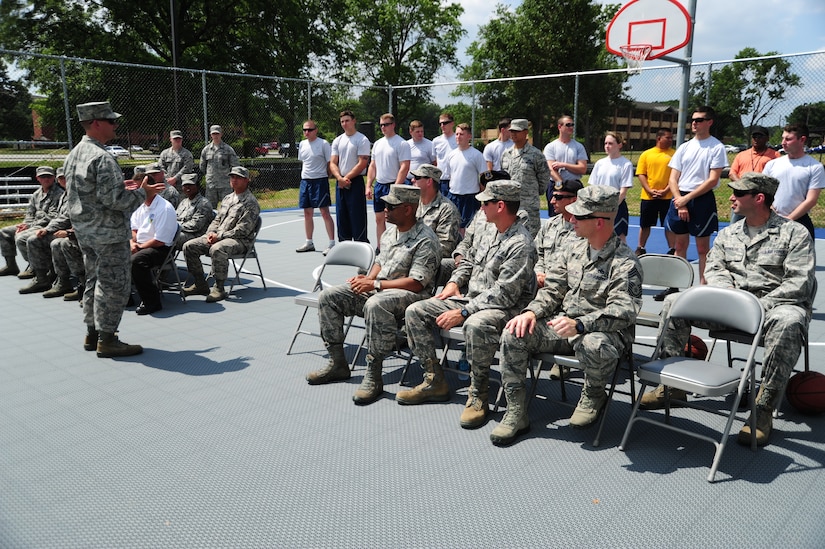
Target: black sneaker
[(662, 295)]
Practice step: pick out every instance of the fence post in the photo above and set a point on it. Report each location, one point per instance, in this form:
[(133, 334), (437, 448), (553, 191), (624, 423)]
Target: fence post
[(205, 113), (66, 103), (473, 112), (309, 100), (575, 105), (389, 100)]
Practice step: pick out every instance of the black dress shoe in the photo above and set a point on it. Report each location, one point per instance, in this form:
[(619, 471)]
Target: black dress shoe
[(662, 295), (146, 309)]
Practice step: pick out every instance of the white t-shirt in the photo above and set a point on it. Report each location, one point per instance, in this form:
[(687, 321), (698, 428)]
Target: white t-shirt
[(443, 146), (158, 221), (569, 153), (348, 148), (421, 152), (614, 172), (465, 168), (494, 150), (388, 153), (315, 156), (695, 159), (796, 177)]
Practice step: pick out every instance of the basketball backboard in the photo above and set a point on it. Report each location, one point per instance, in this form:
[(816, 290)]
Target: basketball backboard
[(665, 25)]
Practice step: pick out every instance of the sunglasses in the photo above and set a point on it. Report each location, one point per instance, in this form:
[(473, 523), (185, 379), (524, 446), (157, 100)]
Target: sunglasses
[(309, 129), (699, 120), (739, 193), (417, 177), (488, 202), (562, 196), (567, 124), (444, 122), (589, 216), (758, 135), (391, 207), (385, 124), (109, 120)]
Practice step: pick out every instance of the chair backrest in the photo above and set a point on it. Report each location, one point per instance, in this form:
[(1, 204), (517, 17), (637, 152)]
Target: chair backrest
[(737, 309), (348, 253), (667, 271)]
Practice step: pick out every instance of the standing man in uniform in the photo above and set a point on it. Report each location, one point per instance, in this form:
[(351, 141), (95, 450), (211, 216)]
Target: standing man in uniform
[(389, 166), (99, 208), (695, 171), (176, 160), (403, 274), (315, 154), (494, 149), (499, 276), (587, 307), (801, 177), (525, 164), (217, 158), (444, 144), (435, 210), (566, 157), (654, 174), (348, 164)]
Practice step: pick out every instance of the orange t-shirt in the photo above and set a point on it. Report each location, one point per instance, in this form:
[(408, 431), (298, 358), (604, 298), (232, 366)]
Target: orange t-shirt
[(751, 161)]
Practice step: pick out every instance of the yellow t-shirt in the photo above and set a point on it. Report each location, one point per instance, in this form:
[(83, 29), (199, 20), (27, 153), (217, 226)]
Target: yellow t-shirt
[(654, 164)]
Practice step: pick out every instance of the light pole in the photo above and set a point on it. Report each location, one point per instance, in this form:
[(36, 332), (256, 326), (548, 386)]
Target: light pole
[(174, 59)]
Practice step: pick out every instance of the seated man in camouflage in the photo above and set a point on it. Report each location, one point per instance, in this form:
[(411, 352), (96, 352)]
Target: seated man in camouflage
[(194, 212), (435, 210), (774, 259), (231, 232), (498, 272), (403, 274), (587, 308), (170, 193)]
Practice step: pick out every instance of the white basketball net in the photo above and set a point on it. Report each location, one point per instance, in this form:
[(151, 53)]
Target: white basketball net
[(634, 56)]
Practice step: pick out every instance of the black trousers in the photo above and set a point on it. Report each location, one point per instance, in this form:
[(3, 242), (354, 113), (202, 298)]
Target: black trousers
[(142, 263)]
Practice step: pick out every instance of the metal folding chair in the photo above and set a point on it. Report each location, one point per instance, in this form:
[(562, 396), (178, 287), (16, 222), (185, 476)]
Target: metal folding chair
[(169, 267), (662, 271)]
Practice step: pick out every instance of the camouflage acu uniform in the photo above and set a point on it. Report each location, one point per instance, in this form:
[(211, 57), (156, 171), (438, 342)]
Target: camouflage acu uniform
[(41, 209), (552, 239), (176, 163), (443, 218), (235, 227), (777, 266), (605, 294), (194, 216), (528, 166), (39, 251), (411, 254), (99, 209), (498, 271), (171, 195), (216, 163)]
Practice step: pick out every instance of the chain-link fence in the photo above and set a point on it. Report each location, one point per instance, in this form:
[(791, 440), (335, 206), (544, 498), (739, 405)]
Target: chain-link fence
[(261, 116)]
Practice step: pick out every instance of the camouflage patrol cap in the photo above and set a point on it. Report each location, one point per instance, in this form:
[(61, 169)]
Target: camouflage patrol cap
[(427, 170), (60, 172), (568, 186), (215, 129), (139, 170), (175, 133), (595, 198), (189, 179), (755, 181), (403, 194), (154, 168), (492, 175), (98, 110), (519, 124), (239, 171), (44, 170), (503, 189)]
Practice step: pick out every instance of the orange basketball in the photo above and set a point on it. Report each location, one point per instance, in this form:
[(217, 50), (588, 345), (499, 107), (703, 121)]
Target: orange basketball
[(696, 348), (806, 392)]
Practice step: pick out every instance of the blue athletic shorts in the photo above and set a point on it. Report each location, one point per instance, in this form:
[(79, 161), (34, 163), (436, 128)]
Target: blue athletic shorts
[(467, 207), (314, 193), (653, 211), (703, 218), (378, 193)]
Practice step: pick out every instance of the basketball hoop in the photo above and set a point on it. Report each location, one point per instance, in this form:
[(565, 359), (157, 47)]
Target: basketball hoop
[(634, 56)]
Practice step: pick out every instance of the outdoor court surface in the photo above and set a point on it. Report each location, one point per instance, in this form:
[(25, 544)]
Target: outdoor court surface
[(212, 438)]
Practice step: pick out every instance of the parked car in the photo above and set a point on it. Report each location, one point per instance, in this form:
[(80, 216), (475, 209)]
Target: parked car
[(819, 149), (136, 148), (263, 150), (117, 150)]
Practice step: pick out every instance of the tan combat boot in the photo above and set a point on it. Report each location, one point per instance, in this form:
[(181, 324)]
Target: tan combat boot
[(515, 421), (40, 283), (336, 369), (109, 346), (200, 287), (217, 293), (434, 388), (587, 410), (90, 343), (559, 372), (477, 406), (655, 399), (11, 268), (372, 385), (60, 288), (765, 404)]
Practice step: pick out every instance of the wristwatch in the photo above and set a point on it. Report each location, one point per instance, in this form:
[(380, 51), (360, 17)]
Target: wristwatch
[(465, 313), (579, 327), (377, 285)]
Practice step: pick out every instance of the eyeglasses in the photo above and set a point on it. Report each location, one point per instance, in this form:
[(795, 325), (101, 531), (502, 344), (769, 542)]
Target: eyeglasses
[(567, 124), (589, 216), (444, 122), (562, 196), (385, 124), (739, 193), (699, 120), (309, 129)]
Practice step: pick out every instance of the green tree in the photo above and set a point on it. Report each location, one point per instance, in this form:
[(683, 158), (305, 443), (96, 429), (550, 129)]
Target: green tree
[(544, 37), (15, 109), (810, 114), (744, 93), (402, 42)]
